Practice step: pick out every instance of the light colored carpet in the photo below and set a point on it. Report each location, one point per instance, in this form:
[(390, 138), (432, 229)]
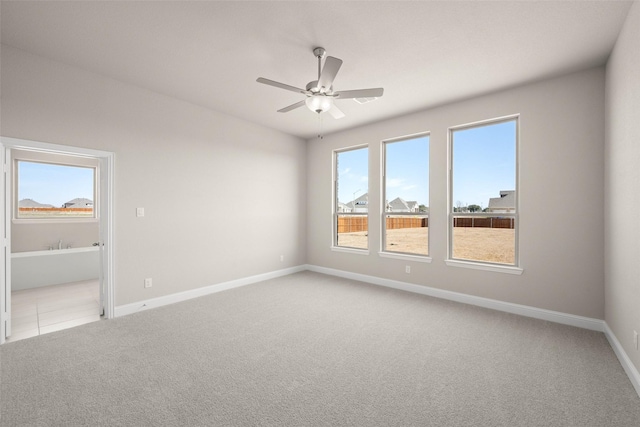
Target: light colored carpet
[(315, 350)]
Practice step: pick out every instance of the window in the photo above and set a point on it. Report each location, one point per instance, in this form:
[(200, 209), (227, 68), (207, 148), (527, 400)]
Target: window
[(54, 191), (405, 222), (351, 198), (483, 192)]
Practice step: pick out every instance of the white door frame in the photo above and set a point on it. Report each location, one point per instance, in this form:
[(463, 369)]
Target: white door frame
[(106, 220), (5, 236)]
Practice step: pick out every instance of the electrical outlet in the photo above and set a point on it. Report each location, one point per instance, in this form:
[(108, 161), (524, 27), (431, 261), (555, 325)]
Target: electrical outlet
[(139, 212), (635, 339), (148, 282), (281, 258), (407, 269)]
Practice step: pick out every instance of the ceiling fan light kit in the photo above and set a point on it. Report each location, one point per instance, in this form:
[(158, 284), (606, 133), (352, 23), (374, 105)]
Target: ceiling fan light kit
[(319, 93), (319, 103)]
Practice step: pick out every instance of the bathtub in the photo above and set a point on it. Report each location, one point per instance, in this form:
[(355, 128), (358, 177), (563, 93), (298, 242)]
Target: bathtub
[(43, 268)]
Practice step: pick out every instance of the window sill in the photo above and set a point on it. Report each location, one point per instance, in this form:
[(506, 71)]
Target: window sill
[(52, 220), (350, 250), (406, 257), (486, 267)]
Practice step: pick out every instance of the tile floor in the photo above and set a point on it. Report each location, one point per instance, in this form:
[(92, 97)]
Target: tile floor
[(52, 308)]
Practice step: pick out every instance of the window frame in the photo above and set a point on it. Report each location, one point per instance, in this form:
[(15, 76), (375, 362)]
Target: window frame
[(54, 220), (514, 268), (335, 204), (383, 209)]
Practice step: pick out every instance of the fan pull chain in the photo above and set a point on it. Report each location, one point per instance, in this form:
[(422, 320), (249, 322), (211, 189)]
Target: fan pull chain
[(321, 121)]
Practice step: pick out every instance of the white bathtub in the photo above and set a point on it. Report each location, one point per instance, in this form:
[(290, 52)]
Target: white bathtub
[(43, 268)]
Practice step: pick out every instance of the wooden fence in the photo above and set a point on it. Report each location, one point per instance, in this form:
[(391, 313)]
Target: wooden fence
[(55, 209), (404, 222), (490, 222), (353, 223)]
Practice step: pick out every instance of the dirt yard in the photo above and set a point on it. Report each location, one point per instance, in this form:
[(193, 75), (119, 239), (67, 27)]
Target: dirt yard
[(479, 244)]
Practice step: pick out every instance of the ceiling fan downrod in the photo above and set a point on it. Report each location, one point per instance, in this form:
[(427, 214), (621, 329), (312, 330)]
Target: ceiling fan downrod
[(319, 53)]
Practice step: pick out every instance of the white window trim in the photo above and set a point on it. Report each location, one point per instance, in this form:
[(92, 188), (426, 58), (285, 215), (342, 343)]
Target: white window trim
[(483, 265), (383, 221), (406, 256), (479, 265), (350, 250), (53, 220)]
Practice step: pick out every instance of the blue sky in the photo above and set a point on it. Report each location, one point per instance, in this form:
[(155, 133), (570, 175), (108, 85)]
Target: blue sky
[(353, 177), (407, 170), (53, 184), (483, 165)]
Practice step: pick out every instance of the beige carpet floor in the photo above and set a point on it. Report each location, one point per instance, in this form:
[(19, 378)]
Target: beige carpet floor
[(315, 350)]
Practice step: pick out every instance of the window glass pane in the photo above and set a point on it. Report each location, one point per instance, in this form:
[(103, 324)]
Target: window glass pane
[(484, 167), (352, 231), (406, 189), (407, 234), (484, 239), (48, 190), (484, 182), (352, 198)]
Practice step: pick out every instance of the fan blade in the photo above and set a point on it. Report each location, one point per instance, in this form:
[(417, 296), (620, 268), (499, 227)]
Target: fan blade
[(335, 112), (280, 85), (360, 93), (329, 71), (291, 107)]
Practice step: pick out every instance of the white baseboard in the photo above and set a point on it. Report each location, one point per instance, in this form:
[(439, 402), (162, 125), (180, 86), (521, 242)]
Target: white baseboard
[(123, 310), (522, 310), (626, 363)]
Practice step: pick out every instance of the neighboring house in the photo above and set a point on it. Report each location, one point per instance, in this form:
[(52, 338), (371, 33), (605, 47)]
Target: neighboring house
[(506, 203), (400, 205), (343, 208), (361, 204), (79, 203), (413, 206), (30, 203)]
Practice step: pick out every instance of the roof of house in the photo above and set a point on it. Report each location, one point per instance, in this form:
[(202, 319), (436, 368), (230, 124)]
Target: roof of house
[(400, 205), (507, 199), (360, 201), (30, 203), (80, 201)]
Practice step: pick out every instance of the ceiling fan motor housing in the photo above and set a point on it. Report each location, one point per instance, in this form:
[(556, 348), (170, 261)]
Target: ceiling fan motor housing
[(313, 88), (319, 52)]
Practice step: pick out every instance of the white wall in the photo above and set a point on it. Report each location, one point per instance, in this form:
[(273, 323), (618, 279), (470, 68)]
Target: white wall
[(217, 190), (561, 196), (622, 181)]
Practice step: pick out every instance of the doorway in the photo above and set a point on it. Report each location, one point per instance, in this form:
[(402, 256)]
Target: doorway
[(92, 297)]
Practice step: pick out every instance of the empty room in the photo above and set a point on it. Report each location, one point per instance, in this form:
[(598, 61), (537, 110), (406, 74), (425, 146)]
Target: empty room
[(319, 213)]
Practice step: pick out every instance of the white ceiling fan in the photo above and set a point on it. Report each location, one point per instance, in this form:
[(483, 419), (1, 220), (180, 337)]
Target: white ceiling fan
[(319, 93)]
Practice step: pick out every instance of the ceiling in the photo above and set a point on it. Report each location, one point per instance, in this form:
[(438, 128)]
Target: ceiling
[(422, 53)]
